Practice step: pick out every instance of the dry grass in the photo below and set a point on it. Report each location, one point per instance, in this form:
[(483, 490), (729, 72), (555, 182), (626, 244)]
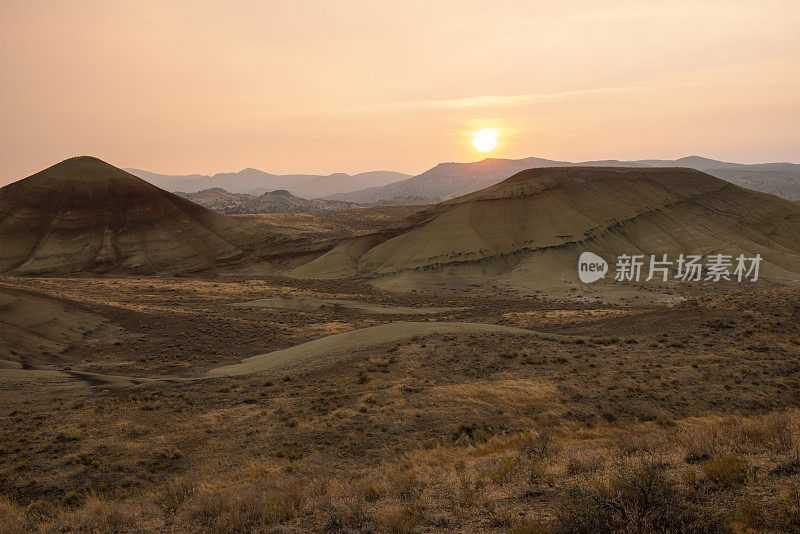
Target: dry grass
[(471, 433), (559, 481)]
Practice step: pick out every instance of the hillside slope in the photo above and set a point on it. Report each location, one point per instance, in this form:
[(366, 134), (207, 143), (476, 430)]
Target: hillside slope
[(85, 215), (534, 225)]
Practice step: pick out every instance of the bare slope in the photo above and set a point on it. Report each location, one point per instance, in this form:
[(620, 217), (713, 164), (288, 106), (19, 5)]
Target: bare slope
[(85, 215), (313, 351), (33, 328), (533, 226)]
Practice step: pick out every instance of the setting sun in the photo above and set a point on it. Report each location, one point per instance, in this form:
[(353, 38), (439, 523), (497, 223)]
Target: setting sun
[(484, 140)]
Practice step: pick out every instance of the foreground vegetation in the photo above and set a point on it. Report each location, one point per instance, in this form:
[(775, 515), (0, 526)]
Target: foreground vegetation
[(723, 474), (615, 418)]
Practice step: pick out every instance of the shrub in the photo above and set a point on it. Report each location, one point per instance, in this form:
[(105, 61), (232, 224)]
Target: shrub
[(396, 520), (642, 500), (100, 515), (245, 511), (174, 494), (726, 470), (537, 445), (750, 512), (12, 518), (788, 508)]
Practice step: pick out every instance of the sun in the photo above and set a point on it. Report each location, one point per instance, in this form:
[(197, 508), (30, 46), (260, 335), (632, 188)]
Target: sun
[(484, 140)]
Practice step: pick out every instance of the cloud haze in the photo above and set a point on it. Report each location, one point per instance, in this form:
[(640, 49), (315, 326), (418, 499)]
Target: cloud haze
[(307, 86)]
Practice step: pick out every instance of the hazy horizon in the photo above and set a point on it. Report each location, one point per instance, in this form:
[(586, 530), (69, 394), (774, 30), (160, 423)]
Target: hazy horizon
[(299, 87)]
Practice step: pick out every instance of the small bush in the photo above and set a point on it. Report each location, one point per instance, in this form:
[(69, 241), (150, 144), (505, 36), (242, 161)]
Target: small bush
[(642, 500), (537, 445), (173, 495), (750, 512), (100, 515), (788, 509), (343, 513), (12, 518), (396, 520), (726, 470)]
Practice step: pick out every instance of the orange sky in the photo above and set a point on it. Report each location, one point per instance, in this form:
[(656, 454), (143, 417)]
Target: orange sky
[(353, 85)]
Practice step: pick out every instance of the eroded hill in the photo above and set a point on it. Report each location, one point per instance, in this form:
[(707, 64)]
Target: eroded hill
[(531, 228), (85, 215)]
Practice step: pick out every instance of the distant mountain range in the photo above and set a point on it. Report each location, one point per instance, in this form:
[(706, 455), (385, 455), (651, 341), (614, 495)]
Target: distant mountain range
[(442, 182), (256, 182), (279, 201), (449, 180)]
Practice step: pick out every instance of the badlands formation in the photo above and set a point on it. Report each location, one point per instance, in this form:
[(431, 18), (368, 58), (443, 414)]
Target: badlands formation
[(531, 228), (84, 215), (233, 398)]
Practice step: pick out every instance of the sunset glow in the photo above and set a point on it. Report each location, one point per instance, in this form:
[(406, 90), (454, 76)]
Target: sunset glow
[(186, 87), (484, 140)]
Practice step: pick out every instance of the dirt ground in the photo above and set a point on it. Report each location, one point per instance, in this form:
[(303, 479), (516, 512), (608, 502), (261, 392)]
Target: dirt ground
[(466, 431)]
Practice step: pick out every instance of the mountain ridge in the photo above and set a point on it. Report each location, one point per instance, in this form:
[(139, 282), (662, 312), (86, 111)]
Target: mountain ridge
[(256, 182), (452, 179)]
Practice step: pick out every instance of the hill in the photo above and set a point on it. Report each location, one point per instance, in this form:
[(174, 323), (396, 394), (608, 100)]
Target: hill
[(280, 201), (531, 228), (256, 182), (85, 215), (449, 180)]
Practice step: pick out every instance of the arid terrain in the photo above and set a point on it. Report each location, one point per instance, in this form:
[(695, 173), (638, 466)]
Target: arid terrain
[(359, 267), (568, 417), (164, 368)]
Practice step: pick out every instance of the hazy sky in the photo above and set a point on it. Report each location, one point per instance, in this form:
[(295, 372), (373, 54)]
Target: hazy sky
[(353, 85)]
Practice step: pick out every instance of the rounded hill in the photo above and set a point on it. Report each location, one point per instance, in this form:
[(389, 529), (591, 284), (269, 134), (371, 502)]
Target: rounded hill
[(84, 214), (533, 226)]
